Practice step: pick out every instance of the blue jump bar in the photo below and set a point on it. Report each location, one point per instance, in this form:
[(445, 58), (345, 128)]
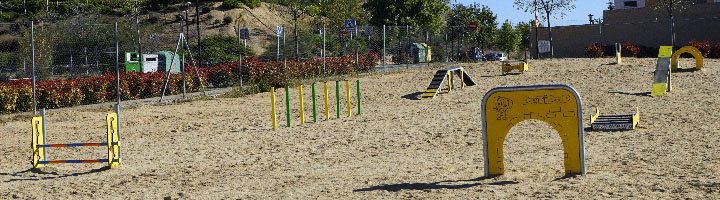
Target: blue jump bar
[(76, 161), (75, 144)]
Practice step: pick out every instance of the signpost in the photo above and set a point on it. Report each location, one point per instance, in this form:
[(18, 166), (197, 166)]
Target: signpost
[(350, 25), (473, 26), (279, 33)]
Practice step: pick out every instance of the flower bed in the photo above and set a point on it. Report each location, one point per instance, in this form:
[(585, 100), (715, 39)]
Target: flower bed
[(16, 96)]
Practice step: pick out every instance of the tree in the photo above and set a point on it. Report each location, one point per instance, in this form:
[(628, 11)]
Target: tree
[(297, 9), (508, 38), (670, 7), (487, 25), (524, 30), (549, 7), (417, 13)]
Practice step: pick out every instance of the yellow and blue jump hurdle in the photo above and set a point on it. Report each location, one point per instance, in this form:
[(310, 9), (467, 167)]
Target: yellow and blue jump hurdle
[(39, 144)]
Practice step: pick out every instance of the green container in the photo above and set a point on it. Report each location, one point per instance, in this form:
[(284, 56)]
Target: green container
[(418, 51), (165, 59), (132, 62)]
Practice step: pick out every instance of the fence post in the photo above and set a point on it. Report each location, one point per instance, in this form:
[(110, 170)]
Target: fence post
[(407, 45), (240, 57), (383, 58), (32, 46), (323, 55), (117, 62), (182, 65)]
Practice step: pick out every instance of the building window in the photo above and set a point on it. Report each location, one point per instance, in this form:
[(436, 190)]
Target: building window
[(633, 4)]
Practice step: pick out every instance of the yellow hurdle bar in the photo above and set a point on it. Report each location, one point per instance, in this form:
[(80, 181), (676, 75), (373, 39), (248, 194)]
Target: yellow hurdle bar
[(347, 90), (302, 113), (272, 102), (327, 106)]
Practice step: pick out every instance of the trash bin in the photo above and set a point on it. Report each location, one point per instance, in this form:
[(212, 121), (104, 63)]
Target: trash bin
[(418, 52), (164, 62), (132, 62)]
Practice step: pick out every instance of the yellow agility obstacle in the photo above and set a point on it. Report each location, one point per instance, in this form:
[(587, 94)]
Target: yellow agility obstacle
[(558, 105), (662, 82), (39, 157), (446, 74), (614, 122), (618, 53), (507, 66), (692, 51)]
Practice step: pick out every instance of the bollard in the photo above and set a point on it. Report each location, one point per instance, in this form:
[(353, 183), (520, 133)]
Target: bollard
[(287, 104), (358, 96), (337, 97), (314, 106), (347, 91), (272, 101), (327, 106), (302, 108), (450, 81)]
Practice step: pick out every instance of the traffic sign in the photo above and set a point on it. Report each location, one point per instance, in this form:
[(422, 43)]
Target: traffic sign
[(473, 26), (368, 30), (244, 34), (279, 31), (349, 25)]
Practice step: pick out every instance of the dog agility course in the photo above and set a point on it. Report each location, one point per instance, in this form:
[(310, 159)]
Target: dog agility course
[(400, 147)]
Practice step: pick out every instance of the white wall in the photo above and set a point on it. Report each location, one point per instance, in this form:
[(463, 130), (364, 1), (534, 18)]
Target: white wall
[(620, 4)]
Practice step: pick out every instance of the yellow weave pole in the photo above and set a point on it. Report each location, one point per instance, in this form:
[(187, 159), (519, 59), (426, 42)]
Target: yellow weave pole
[(302, 113), (347, 90), (327, 106), (450, 81), (272, 101)]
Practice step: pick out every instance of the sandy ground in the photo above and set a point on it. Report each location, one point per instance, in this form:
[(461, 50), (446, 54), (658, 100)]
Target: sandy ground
[(398, 148)]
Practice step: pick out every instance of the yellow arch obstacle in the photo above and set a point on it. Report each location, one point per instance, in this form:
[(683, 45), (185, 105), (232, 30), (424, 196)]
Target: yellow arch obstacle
[(692, 51), (558, 105), (446, 74)]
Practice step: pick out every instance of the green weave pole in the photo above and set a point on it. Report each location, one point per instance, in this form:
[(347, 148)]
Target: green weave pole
[(337, 97), (314, 106), (287, 104), (358, 96)]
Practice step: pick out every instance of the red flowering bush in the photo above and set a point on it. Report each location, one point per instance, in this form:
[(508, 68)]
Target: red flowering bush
[(16, 96), (716, 51), (629, 50), (594, 51), (704, 47)]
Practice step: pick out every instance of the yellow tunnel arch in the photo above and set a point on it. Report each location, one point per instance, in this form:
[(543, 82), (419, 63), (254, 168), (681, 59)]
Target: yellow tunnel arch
[(692, 51), (559, 106)]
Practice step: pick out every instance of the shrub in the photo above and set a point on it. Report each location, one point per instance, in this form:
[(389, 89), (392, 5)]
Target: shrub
[(206, 10), (227, 20), (230, 4), (221, 49), (716, 51), (594, 51), (252, 4), (629, 50), (704, 47)]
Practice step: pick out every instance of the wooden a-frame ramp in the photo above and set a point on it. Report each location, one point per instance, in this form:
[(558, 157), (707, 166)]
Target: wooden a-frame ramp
[(441, 76)]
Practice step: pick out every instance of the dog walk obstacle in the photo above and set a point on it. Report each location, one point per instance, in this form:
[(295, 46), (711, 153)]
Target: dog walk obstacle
[(559, 106), (662, 82), (519, 65), (39, 143), (614, 122), (446, 75), (692, 51)]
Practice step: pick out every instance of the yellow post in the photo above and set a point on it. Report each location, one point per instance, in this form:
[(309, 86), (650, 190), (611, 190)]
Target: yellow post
[(449, 81), (347, 89), (302, 114), (37, 139), (272, 101), (327, 106), (462, 77)]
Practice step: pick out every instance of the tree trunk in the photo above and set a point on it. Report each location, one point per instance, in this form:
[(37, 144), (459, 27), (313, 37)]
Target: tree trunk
[(552, 51), (672, 30)]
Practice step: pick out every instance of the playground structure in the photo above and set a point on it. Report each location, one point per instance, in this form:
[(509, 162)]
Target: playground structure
[(618, 53), (446, 74), (508, 66), (662, 82), (558, 105), (327, 105), (39, 143), (692, 51), (614, 122)]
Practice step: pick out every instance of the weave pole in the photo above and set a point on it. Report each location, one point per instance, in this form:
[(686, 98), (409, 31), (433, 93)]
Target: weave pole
[(358, 97), (327, 105), (314, 106), (287, 104), (347, 91), (302, 107), (337, 97), (272, 101)]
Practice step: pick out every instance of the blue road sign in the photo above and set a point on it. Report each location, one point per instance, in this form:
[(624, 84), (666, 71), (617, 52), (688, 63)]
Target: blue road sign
[(279, 31), (350, 25)]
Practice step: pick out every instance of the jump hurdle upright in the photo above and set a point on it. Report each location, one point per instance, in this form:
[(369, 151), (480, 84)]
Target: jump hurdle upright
[(39, 143)]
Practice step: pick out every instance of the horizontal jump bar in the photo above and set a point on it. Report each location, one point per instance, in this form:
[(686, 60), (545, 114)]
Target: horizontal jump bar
[(75, 144), (76, 161)]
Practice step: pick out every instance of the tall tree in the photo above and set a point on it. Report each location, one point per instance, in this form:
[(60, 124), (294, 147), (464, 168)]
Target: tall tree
[(670, 7), (297, 9), (487, 25), (523, 29), (508, 38), (417, 13), (550, 7)]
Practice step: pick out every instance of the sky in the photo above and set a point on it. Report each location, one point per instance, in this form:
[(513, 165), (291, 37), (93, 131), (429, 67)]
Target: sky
[(504, 10)]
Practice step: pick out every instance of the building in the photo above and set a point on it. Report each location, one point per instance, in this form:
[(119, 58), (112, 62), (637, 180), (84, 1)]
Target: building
[(639, 23)]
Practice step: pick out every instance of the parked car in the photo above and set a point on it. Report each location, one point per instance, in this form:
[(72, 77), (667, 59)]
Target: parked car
[(500, 57), (489, 57)]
